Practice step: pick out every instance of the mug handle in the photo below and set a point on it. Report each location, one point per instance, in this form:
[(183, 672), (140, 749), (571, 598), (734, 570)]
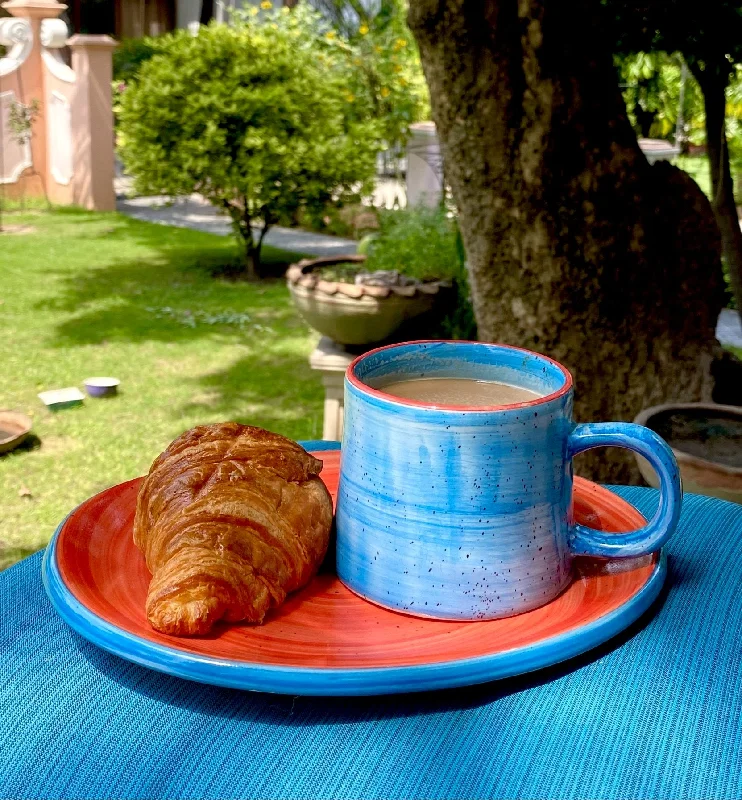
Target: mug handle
[(590, 542)]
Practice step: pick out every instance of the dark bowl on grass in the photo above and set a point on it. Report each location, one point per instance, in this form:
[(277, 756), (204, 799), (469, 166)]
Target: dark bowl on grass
[(101, 387)]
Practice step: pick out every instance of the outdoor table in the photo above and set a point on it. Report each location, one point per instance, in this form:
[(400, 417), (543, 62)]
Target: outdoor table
[(655, 712)]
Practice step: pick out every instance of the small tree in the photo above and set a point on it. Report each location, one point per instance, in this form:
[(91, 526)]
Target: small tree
[(256, 117), (21, 120)]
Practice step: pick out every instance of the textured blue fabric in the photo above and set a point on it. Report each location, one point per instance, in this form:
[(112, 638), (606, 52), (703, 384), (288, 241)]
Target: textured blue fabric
[(656, 713)]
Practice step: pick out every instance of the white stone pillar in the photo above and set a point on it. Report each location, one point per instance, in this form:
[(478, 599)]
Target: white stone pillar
[(424, 166)]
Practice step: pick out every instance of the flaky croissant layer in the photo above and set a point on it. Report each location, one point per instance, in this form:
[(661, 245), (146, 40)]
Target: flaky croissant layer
[(230, 519)]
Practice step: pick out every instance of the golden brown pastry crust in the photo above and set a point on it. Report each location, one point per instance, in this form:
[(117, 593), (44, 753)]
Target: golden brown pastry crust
[(230, 519)]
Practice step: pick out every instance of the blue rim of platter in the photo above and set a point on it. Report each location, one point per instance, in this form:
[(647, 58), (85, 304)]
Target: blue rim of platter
[(333, 681)]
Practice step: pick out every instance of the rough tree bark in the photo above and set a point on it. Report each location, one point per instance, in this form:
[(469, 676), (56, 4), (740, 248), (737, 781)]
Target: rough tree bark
[(713, 82), (576, 246)]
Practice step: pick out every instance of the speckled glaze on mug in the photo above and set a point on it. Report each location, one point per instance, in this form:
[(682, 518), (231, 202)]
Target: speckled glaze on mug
[(465, 512)]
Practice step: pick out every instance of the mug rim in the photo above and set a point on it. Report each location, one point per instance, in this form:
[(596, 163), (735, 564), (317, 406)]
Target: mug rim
[(355, 381)]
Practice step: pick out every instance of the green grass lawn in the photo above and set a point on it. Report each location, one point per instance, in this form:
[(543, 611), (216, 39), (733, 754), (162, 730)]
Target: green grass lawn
[(100, 294), (698, 168)]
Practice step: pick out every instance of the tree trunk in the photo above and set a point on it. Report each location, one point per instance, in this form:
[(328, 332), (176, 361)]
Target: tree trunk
[(713, 82), (252, 265), (243, 231), (576, 246)]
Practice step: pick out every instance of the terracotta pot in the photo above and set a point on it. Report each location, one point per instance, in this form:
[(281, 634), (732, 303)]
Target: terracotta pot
[(706, 439), (352, 314)]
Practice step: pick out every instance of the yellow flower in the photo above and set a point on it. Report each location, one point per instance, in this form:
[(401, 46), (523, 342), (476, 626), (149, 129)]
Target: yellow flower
[(253, 11), (285, 12), (402, 82), (363, 30), (350, 97), (385, 91), (266, 4), (357, 62), (397, 68), (400, 43), (330, 35), (379, 49)]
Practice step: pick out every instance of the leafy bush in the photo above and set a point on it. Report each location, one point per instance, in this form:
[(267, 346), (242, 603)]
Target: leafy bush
[(255, 116), (651, 85), (129, 56), (389, 77), (425, 243)]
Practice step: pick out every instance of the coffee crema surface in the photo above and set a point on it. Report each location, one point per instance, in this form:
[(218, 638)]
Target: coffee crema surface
[(458, 392)]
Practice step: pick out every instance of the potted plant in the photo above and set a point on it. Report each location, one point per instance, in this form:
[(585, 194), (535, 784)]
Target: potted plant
[(413, 267)]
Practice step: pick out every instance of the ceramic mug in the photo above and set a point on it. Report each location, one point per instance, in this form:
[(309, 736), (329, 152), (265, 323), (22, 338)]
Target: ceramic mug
[(464, 513)]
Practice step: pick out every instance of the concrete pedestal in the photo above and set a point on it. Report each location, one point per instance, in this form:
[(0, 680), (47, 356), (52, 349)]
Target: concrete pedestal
[(331, 360)]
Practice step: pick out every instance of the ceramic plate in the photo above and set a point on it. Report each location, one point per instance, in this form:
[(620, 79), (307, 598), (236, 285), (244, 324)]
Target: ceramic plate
[(324, 640)]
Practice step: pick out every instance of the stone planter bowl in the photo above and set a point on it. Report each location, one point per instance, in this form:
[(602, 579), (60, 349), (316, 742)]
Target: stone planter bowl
[(706, 439), (355, 315), (14, 428)]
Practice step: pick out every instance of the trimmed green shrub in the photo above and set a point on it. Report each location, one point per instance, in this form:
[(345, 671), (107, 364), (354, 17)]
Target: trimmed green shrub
[(255, 116)]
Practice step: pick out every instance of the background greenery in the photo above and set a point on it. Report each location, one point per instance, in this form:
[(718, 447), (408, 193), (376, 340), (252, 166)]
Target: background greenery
[(87, 294), (651, 88)]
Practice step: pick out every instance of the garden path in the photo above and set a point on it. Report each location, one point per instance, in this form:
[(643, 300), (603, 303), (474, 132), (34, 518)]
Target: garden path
[(195, 212)]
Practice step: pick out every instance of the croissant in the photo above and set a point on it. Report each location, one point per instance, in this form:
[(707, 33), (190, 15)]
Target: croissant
[(230, 519)]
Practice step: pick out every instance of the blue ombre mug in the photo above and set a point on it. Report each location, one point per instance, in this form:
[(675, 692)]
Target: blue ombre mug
[(464, 512)]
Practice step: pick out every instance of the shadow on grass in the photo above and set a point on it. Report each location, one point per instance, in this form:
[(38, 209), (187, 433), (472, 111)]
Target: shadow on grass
[(31, 442), (177, 321), (167, 294), (272, 383)]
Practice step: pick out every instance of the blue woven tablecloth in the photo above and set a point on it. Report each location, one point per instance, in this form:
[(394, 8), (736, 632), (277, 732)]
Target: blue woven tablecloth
[(656, 713)]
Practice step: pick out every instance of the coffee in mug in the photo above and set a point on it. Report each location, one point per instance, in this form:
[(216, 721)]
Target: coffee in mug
[(458, 392)]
